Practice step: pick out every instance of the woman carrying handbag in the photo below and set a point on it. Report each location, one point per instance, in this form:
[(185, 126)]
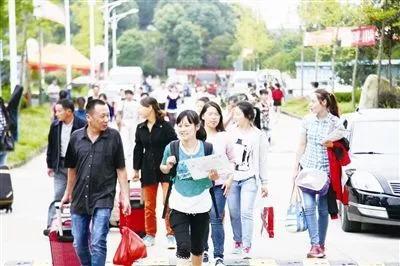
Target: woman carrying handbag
[(318, 129)]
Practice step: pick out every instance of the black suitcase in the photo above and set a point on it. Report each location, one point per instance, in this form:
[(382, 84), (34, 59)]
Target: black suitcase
[(6, 190)]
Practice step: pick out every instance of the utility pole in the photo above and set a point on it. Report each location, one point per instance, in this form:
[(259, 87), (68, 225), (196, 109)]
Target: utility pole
[(68, 41), (92, 41), (353, 92), (12, 45), (106, 16)]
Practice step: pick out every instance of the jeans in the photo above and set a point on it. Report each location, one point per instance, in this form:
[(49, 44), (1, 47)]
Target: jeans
[(95, 253), (150, 200), (317, 227), (217, 227), (241, 201), (3, 158), (60, 184)]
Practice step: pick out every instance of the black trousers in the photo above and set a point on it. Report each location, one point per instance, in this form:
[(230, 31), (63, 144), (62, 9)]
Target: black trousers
[(190, 230)]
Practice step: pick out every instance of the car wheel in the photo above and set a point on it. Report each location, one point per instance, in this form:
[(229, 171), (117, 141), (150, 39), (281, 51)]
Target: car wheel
[(347, 225)]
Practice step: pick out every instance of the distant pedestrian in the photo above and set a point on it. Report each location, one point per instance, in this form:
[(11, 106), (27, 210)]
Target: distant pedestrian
[(172, 104), (190, 201), (200, 102), (80, 111), (160, 94), (127, 119), (52, 91), (212, 120), (58, 139), (95, 160), (94, 93), (152, 136), (264, 107), (278, 96), (318, 129), (250, 146), (103, 97)]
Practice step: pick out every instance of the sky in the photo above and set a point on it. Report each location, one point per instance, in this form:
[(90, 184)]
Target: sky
[(276, 13)]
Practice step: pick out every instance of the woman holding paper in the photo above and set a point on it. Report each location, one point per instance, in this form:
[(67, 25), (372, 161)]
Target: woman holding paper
[(250, 149), (212, 120), (190, 200)]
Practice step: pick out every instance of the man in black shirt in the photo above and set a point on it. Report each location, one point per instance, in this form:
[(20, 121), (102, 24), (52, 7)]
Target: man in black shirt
[(95, 160)]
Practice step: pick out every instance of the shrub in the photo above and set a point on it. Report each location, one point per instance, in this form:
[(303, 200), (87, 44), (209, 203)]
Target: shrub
[(346, 96), (389, 99)]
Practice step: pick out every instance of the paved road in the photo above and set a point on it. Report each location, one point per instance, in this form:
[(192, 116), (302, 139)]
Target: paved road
[(22, 242)]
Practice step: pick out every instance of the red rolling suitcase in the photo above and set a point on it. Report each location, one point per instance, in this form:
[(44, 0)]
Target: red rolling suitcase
[(134, 221), (62, 250)]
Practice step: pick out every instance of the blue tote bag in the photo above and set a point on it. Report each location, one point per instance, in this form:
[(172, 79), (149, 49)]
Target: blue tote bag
[(295, 219)]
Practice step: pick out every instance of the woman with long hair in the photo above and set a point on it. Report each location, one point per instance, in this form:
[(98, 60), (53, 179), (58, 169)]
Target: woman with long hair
[(152, 136), (250, 147), (318, 129), (190, 200), (212, 121)]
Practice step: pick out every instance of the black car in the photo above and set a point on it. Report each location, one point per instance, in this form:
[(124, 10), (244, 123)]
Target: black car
[(373, 176)]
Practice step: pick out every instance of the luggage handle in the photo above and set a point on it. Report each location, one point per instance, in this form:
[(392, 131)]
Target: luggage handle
[(59, 214)]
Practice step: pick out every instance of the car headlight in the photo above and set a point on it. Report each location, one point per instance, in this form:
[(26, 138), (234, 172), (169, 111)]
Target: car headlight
[(366, 181)]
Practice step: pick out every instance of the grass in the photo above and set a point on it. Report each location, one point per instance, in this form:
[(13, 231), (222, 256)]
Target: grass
[(33, 125), (299, 107)]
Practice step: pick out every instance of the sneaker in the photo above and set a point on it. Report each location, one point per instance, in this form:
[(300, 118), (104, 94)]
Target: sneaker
[(206, 259), (237, 249), (322, 249), (219, 262), (149, 241), (315, 252), (171, 242), (46, 231), (246, 253)]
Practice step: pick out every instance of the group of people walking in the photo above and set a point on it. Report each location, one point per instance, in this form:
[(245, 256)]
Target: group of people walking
[(96, 157)]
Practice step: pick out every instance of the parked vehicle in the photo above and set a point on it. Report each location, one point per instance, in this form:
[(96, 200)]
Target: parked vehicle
[(374, 172), (122, 78), (240, 80)]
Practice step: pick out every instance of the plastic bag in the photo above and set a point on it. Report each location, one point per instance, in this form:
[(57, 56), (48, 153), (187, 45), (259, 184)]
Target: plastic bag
[(295, 219), (130, 249), (267, 217)]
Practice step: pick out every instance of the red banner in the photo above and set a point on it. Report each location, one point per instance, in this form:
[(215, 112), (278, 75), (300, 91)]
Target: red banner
[(364, 36)]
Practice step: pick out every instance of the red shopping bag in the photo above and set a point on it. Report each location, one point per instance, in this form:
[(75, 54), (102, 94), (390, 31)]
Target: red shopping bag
[(130, 249), (267, 217)]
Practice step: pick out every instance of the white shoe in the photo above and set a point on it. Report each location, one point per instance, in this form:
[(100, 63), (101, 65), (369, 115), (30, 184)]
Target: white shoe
[(149, 241), (171, 242)]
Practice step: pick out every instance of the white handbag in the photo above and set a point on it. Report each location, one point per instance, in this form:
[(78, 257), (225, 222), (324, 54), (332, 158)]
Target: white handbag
[(314, 180)]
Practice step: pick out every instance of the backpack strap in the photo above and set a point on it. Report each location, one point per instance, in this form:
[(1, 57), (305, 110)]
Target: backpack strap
[(174, 146), (208, 150)]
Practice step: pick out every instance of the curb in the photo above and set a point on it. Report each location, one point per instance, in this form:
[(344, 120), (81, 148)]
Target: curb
[(292, 115), (33, 155)]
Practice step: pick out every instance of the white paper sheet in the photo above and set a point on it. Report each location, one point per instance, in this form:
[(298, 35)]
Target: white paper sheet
[(200, 167)]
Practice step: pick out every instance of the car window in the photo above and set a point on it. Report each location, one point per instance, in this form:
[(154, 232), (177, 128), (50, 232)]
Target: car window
[(375, 137)]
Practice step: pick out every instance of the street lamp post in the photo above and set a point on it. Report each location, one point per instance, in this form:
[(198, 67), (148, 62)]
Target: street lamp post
[(108, 7), (114, 25)]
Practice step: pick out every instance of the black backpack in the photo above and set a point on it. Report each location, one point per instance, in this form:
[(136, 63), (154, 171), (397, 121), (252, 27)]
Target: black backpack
[(174, 146)]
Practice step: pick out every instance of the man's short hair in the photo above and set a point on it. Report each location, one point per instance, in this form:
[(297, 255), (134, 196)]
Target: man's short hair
[(263, 92), (92, 104), (128, 92), (66, 104)]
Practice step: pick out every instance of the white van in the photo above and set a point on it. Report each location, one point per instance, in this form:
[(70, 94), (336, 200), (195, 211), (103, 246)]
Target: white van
[(240, 79), (124, 78)]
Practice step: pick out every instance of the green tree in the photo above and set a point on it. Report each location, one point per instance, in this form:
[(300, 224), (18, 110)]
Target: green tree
[(80, 25), (217, 52), (146, 12), (252, 38), (190, 47)]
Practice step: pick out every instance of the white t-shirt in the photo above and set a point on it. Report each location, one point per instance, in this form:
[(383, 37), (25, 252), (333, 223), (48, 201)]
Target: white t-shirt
[(130, 110), (244, 146), (160, 95), (65, 136)]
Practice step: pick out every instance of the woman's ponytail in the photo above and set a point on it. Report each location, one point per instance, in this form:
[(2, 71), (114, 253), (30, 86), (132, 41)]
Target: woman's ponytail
[(331, 103)]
